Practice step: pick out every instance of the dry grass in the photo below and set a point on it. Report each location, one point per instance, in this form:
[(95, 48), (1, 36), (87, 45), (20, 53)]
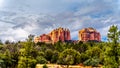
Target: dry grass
[(63, 66)]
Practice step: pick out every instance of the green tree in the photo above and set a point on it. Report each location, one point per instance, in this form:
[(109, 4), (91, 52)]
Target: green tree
[(93, 52), (7, 58), (45, 66), (55, 57), (112, 55), (84, 57), (59, 46), (69, 57), (7, 42), (93, 55), (1, 43), (92, 62), (30, 37), (26, 58), (41, 60), (114, 34), (2, 62), (48, 54), (81, 47)]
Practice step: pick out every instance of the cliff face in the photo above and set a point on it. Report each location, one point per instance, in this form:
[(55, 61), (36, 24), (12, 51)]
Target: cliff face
[(88, 34), (59, 34), (42, 38)]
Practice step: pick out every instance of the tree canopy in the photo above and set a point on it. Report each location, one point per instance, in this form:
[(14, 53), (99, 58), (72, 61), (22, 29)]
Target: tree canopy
[(27, 54)]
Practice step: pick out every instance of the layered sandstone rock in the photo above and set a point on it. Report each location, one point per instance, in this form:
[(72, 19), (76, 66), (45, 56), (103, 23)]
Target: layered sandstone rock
[(56, 35), (60, 34), (44, 38), (89, 34)]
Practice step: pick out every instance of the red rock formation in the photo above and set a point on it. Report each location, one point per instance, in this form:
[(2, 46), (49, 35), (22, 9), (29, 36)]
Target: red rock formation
[(88, 34), (44, 38), (60, 34), (56, 35)]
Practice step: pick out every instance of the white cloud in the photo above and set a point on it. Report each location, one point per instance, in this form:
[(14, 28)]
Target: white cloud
[(14, 35), (38, 17)]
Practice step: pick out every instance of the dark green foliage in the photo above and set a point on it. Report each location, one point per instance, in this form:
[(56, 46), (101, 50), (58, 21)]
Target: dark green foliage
[(27, 54), (1, 43), (55, 57), (7, 58), (69, 57), (84, 57), (81, 47), (45, 66), (7, 42), (112, 55), (41, 60), (26, 57), (114, 34), (93, 52), (59, 46), (48, 54), (92, 62)]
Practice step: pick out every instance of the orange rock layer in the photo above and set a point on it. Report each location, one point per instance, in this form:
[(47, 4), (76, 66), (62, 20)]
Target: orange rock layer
[(88, 34), (56, 35), (61, 34)]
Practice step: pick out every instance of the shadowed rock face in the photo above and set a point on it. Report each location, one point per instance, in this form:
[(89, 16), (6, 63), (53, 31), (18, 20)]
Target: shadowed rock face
[(89, 34), (59, 34)]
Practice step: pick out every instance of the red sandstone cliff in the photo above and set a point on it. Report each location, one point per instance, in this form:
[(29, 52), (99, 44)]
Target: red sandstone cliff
[(59, 34), (88, 34)]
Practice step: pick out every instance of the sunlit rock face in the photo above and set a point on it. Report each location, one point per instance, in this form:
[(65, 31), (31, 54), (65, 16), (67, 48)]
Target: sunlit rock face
[(59, 34), (89, 34), (44, 38)]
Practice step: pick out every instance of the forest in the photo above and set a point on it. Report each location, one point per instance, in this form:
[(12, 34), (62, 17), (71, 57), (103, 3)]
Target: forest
[(26, 54)]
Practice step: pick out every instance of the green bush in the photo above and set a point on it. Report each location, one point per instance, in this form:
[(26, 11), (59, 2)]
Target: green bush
[(45, 66), (41, 60), (92, 62)]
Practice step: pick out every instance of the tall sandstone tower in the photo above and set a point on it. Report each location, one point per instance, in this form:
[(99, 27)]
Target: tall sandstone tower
[(59, 34), (89, 34)]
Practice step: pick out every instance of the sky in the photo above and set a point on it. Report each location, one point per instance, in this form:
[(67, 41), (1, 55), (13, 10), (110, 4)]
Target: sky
[(20, 18)]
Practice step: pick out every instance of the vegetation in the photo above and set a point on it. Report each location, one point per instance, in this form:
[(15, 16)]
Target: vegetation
[(27, 54), (45, 66), (69, 57)]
